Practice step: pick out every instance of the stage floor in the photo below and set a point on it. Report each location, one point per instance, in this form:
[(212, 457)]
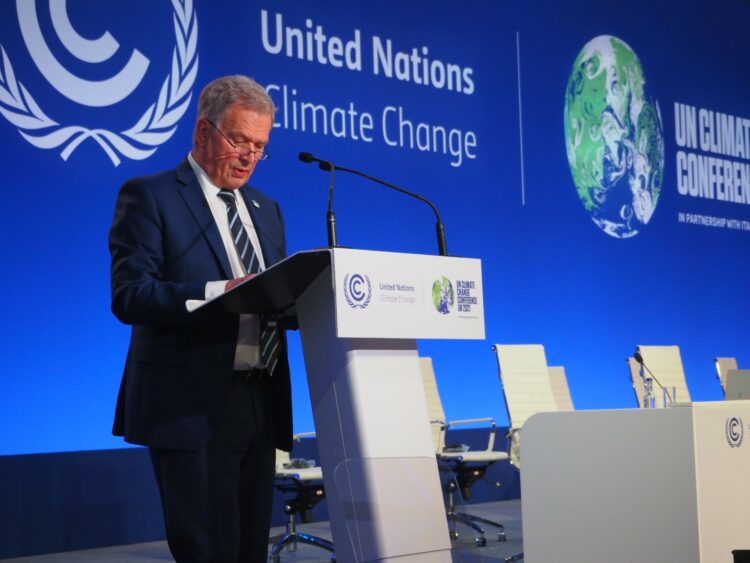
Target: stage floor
[(506, 512)]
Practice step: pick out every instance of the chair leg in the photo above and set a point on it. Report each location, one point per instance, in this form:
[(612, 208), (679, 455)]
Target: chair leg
[(501, 536), (301, 537), (316, 541), (454, 517), (480, 540), (468, 519), (451, 511), (292, 536), (513, 558)]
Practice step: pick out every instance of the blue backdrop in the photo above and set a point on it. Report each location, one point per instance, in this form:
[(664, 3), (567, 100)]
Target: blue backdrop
[(465, 103)]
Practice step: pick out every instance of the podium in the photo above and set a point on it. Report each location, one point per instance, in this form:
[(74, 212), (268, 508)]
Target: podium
[(359, 314), (646, 486)]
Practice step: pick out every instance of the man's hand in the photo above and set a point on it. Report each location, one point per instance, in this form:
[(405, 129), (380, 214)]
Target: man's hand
[(237, 281)]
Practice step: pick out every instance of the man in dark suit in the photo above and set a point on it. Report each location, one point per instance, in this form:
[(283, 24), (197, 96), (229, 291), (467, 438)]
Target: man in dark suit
[(202, 392)]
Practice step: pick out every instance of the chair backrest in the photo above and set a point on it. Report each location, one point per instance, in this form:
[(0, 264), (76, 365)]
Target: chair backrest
[(723, 365), (738, 385), (635, 376), (665, 363), (434, 405), (525, 378), (560, 388)]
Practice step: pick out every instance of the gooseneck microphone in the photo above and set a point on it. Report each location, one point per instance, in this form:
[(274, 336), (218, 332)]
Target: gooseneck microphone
[(330, 166), (639, 359), (330, 217)]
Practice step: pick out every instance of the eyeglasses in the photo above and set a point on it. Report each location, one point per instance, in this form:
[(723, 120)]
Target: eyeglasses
[(243, 150)]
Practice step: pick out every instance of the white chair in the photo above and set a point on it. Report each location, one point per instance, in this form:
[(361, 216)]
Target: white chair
[(666, 368), (527, 388), (738, 385), (468, 465), (723, 365), (306, 482), (560, 388)]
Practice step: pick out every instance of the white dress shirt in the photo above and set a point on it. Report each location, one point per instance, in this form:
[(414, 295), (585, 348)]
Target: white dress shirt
[(248, 352)]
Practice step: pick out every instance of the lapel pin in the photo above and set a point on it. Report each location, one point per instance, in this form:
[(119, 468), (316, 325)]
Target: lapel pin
[(256, 204)]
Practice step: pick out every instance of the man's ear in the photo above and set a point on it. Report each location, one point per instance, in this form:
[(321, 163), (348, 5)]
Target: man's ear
[(201, 131)]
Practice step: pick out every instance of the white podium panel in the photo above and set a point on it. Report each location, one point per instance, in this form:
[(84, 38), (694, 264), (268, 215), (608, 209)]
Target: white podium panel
[(646, 485), (381, 476), (389, 295)]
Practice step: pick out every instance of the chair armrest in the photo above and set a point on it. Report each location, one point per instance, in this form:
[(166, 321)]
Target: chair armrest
[(490, 437), (513, 438), (442, 432), (512, 430), (470, 421), (298, 437)]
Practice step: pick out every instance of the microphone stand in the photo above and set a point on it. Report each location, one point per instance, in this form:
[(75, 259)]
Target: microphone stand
[(639, 358), (439, 228), (330, 217)]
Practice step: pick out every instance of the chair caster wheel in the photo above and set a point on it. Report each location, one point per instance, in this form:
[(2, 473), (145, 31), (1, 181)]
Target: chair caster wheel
[(275, 559), (481, 542), (454, 534), (502, 537)]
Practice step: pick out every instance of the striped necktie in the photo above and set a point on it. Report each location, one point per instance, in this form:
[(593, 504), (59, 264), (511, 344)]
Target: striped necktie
[(269, 336)]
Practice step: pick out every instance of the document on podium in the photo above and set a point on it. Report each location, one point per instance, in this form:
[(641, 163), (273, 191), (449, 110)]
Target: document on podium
[(272, 291)]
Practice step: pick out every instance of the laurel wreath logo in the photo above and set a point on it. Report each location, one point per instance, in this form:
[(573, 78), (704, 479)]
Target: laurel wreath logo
[(735, 432), (352, 293), (155, 127)]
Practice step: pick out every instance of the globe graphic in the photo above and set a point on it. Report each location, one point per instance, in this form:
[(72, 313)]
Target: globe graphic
[(614, 137), (443, 296)]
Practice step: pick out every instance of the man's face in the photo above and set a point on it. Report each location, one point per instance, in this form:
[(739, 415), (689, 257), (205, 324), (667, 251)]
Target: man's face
[(243, 126)]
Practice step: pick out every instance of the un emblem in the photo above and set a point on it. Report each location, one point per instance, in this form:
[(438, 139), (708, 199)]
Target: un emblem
[(152, 128), (735, 432), (357, 290)]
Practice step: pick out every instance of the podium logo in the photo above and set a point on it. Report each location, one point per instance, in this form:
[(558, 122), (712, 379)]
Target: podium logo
[(443, 296), (735, 432), (148, 129), (614, 137), (357, 290)]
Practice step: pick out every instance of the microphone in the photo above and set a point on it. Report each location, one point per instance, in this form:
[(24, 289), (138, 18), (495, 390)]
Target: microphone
[(330, 217), (639, 359), (329, 166)]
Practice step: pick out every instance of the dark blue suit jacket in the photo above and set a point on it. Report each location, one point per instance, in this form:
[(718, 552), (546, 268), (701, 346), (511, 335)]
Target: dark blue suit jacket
[(165, 246)]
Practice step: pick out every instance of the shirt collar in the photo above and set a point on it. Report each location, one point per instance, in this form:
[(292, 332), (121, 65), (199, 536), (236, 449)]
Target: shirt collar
[(209, 188)]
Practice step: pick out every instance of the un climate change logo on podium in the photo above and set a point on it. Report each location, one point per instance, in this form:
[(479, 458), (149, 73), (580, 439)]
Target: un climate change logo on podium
[(735, 432), (152, 128), (357, 290), (443, 296)]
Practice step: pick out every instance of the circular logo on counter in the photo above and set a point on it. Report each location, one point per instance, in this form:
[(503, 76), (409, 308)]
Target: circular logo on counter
[(735, 432)]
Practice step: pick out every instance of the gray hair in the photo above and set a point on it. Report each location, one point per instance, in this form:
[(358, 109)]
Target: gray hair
[(224, 92)]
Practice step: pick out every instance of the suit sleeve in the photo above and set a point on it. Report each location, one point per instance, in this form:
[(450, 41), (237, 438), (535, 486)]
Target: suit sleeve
[(142, 293)]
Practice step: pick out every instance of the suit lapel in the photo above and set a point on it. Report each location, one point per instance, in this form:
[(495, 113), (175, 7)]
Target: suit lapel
[(191, 192)]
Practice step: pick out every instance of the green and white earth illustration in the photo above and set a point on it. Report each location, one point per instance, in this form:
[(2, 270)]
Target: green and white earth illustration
[(443, 296), (614, 137)]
